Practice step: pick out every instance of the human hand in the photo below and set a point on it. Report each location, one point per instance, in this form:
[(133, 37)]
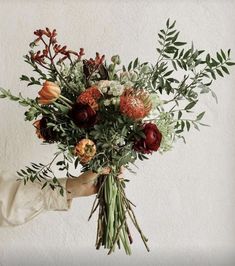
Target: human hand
[(84, 185)]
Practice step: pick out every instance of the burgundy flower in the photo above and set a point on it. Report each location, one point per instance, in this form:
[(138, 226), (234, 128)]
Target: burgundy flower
[(152, 139), (83, 115), (43, 131)]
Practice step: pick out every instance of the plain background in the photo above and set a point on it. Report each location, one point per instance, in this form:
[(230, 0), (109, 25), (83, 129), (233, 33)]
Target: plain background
[(185, 198)]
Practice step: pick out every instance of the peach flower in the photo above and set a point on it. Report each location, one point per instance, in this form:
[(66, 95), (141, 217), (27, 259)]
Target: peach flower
[(49, 93), (85, 149)]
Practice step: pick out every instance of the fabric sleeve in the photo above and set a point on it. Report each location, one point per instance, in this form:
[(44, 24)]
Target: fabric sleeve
[(20, 203)]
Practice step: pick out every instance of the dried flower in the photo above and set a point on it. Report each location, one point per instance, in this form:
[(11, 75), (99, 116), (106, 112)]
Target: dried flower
[(85, 149), (135, 104), (49, 93)]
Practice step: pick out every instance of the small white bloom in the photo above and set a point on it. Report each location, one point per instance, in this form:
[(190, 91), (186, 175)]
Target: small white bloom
[(106, 102), (114, 101)]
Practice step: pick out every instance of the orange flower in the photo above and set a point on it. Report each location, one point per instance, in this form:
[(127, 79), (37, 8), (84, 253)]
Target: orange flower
[(90, 96), (49, 93), (85, 149), (135, 104)]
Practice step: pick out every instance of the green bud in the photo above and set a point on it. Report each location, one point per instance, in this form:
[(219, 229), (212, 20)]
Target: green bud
[(116, 59)]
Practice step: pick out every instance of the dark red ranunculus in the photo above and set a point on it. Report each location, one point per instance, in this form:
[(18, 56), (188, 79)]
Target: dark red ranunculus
[(44, 132), (152, 139), (83, 115)]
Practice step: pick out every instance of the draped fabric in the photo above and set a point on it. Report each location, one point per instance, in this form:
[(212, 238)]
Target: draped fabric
[(20, 203)]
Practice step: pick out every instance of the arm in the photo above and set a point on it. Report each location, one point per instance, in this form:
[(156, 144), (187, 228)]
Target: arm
[(20, 203)]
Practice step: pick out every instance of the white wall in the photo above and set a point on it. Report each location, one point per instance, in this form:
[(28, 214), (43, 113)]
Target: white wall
[(185, 199)]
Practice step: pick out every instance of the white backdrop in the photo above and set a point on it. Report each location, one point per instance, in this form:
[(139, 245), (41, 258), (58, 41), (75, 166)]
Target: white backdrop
[(185, 198)]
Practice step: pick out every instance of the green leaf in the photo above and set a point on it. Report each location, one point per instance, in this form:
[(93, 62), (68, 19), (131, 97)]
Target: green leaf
[(190, 105), (168, 73), (230, 63), (214, 96), (223, 54), (187, 125), (225, 69), (171, 32), (200, 116), (61, 107), (196, 126), (219, 72), (168, 23), (179, 43), (219, 57), (174, 65), (208, 58), (179, 115), (172, 25), (44, 185), (135, 63)]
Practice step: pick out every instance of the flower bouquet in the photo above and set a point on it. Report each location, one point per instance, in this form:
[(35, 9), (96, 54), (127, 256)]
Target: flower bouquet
[(101, 114)]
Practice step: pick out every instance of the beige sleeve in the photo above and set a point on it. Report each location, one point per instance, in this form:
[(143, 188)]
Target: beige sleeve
[(20, 203)]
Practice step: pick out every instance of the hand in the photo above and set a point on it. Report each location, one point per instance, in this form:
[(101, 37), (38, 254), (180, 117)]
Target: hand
[(84, 185)]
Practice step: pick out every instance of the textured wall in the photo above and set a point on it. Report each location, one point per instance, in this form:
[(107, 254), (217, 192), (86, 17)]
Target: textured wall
[(185, 199)]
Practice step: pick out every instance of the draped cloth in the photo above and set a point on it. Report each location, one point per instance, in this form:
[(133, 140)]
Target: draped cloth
[(20, 203)]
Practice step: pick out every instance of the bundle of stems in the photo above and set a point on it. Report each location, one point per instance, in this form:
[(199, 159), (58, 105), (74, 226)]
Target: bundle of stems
[(113, 209)]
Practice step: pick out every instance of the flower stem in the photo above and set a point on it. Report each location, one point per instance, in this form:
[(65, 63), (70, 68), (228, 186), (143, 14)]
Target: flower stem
[(64, 102), (66, 99)]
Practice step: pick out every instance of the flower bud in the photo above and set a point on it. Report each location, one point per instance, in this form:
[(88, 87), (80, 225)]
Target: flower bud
[(116, 59), (49, 93)]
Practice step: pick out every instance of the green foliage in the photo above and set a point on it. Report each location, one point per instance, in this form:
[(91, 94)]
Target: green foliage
[(174, 101)]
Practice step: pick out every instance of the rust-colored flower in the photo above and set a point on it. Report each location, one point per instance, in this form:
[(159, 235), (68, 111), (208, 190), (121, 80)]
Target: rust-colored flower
[(85, 149), (43, 131), (49, 93), (135, 104), (90, 96)]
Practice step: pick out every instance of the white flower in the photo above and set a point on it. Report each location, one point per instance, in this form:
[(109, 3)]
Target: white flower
[(106, 102), (114, 101)]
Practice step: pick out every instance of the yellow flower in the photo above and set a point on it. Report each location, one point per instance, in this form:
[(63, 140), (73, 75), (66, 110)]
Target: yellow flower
[(85, 149), (49, 93)]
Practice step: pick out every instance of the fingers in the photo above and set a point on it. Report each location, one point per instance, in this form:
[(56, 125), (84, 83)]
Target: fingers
[(106, 170)]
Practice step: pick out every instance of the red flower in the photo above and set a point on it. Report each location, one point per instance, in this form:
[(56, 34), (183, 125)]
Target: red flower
[(152, 139), (83, 115)]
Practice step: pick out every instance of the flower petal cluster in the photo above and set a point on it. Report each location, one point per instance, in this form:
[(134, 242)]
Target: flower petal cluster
[(90, 96), (85, 149), (135, 104), (49, 93), (83, 115), (152, 140), (43, 131)]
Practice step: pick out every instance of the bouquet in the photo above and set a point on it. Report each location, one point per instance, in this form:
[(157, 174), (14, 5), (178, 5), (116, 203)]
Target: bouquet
[(101, 114)]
